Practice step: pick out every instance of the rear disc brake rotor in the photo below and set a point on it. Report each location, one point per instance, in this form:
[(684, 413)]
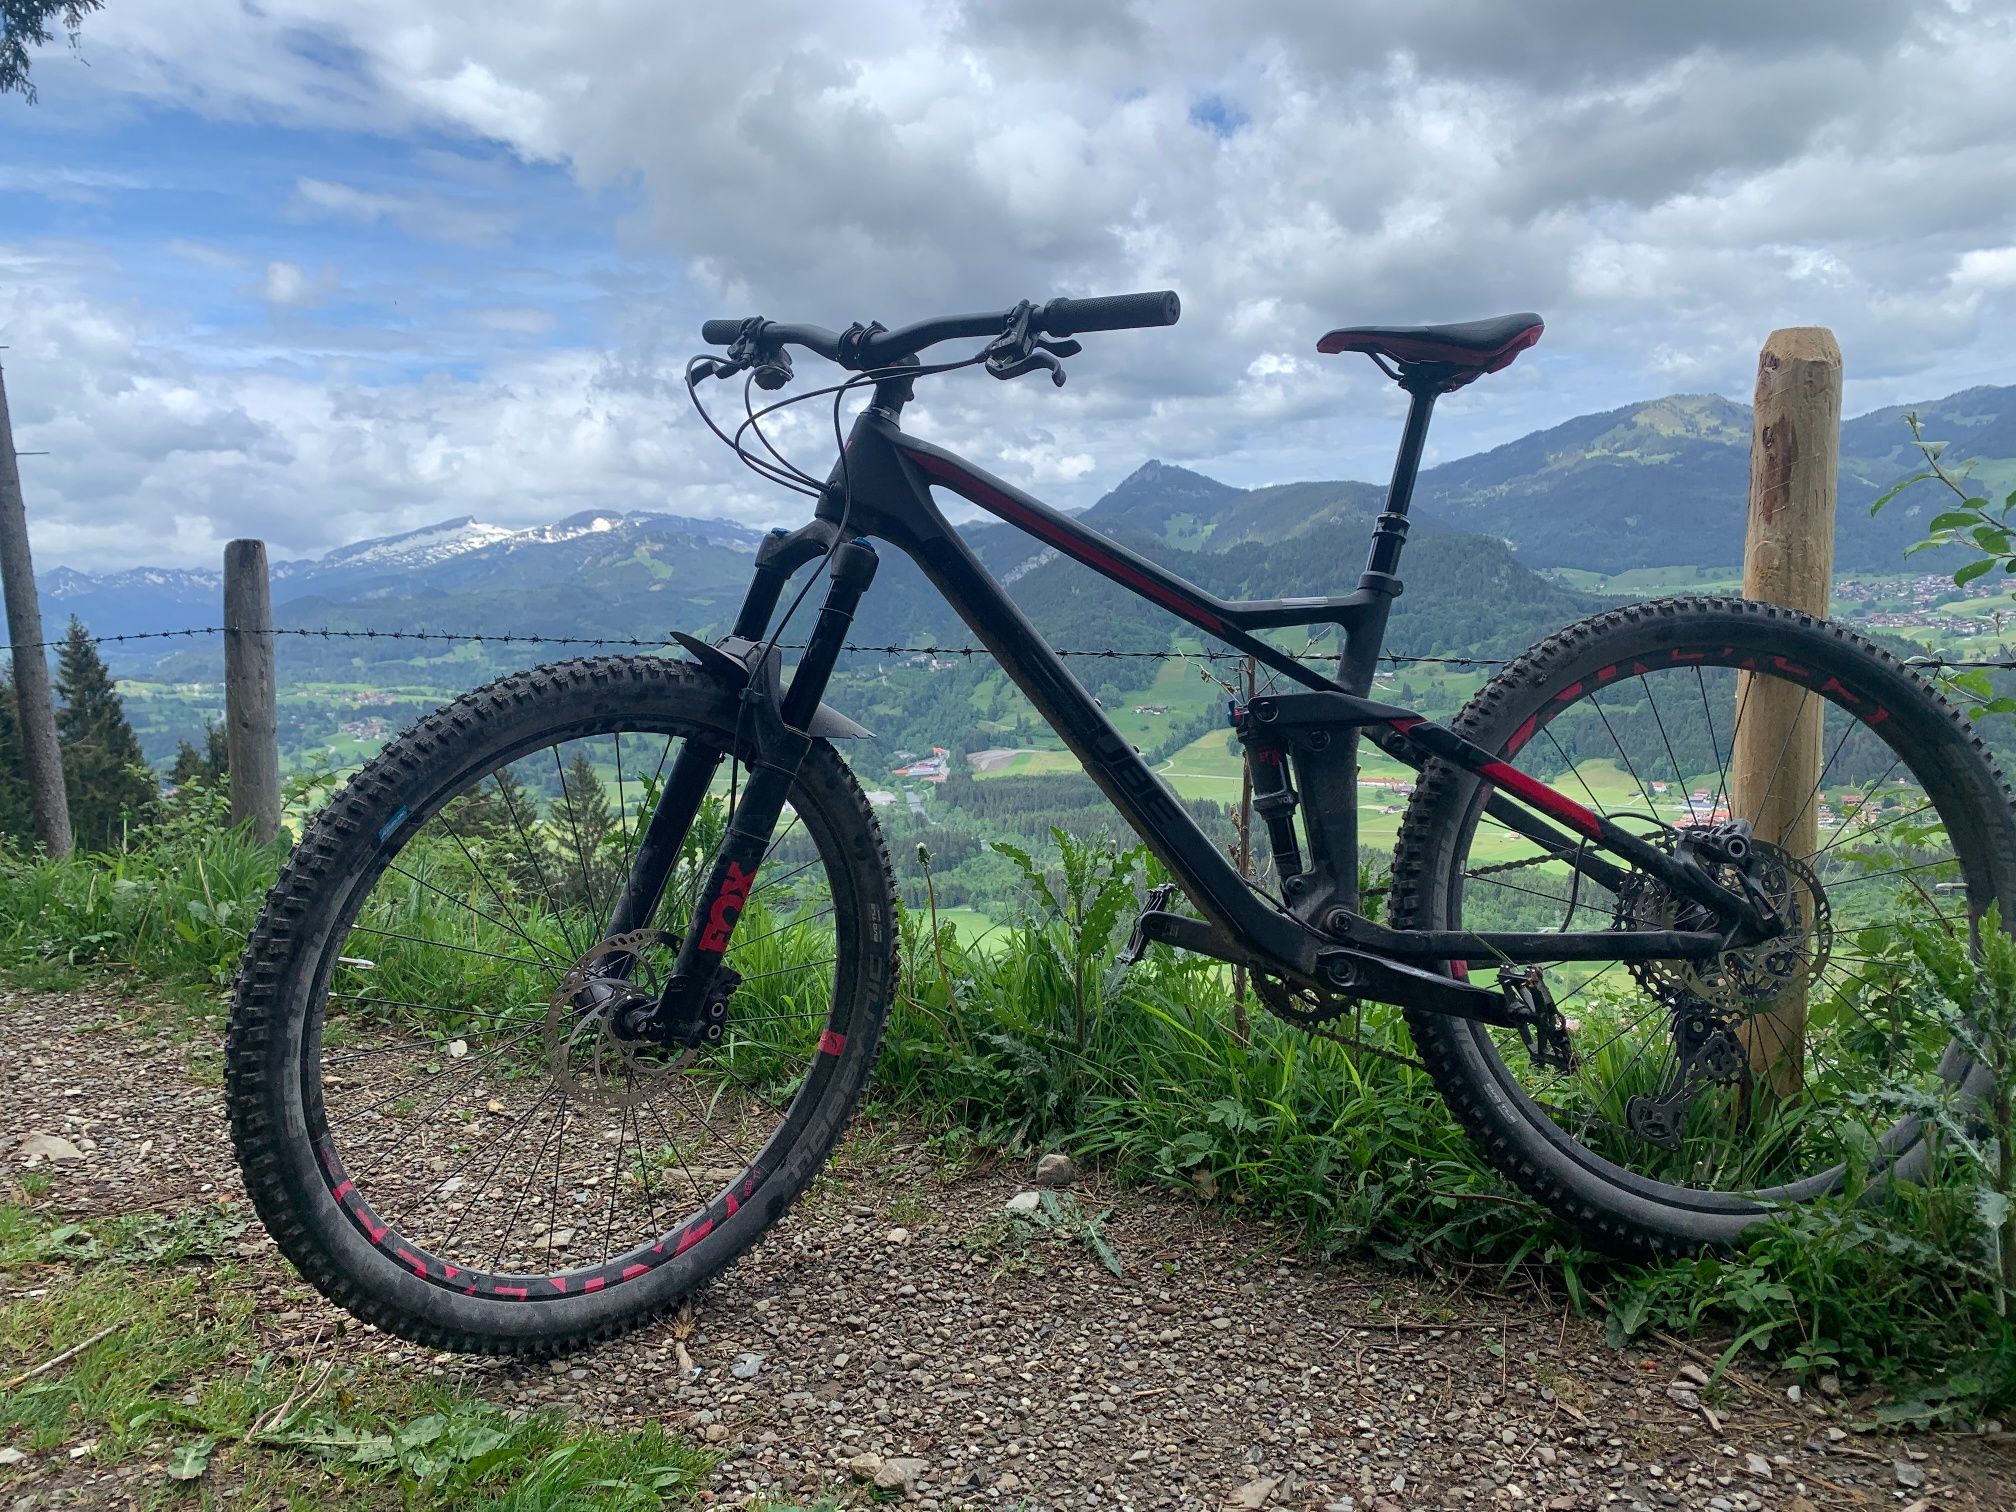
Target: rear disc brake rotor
[(1744, 982)]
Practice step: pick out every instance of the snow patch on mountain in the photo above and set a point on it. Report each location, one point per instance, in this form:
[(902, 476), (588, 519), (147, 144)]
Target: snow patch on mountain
[(413, 548)]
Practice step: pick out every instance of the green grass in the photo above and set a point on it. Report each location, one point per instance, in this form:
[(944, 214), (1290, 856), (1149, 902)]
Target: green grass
[(972, 925), (1159, 1090), (178, 1382)]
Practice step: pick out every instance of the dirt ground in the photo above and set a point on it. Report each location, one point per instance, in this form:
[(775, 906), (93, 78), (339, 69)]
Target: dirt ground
[(898, 1315)]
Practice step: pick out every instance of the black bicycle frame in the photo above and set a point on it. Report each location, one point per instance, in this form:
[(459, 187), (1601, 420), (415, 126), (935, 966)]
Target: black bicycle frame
[(1316, 935)]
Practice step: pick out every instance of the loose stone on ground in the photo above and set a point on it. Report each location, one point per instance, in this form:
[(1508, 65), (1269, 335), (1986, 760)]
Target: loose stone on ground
[(977, 1363)]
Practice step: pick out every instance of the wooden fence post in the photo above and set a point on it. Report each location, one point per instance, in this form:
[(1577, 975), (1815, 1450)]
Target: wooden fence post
[(251, 699), (36, 709), (1788, 559)]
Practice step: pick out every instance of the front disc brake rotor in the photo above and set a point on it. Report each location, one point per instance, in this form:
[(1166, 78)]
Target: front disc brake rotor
[(591, 1052)]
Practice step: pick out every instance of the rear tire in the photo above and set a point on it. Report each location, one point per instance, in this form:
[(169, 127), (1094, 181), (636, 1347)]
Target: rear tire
[(298, 1141), (1625, 1193)]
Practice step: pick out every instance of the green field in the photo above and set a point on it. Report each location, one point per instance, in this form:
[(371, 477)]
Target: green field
[(974, 927), (1034, 764), (1651, 582)]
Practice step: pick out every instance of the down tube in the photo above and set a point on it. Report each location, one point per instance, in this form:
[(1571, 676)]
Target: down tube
[(1169, 832)]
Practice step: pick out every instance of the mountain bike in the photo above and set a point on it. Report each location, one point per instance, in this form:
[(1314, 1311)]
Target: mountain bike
[(569, 993)]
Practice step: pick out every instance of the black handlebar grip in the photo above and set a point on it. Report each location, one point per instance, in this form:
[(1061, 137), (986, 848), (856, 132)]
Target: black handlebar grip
[(721, 332), (1110, 312)]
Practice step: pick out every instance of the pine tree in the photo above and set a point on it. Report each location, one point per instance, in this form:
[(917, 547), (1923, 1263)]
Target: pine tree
[(494, 810), (497, 830), (17, 818), (211, 765), (582, 822), (106, 775)]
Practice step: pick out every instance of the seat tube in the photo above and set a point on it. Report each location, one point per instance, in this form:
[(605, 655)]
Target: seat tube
[(1365, 640)]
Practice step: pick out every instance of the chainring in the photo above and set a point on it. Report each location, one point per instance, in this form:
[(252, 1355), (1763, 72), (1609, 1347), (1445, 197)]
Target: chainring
[(1304, 1007)]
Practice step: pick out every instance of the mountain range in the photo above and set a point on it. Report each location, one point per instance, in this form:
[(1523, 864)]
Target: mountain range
[(1655, 484), (619, 552), (1659, 484)]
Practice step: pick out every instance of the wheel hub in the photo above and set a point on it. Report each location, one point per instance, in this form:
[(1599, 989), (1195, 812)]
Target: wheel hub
[(599, 1036), (1747, 980)]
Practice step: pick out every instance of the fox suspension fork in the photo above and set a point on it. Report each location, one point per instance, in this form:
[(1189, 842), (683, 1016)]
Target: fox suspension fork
[(690, 1010)]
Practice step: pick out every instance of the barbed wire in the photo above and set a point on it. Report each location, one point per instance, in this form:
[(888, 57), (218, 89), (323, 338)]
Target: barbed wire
[(659, 642), (653, 643)]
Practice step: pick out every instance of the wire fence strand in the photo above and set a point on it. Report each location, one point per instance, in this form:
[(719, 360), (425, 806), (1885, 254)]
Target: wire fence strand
[(655, 643)]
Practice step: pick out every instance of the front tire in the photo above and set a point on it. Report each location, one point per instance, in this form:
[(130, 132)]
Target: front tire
[(435, 1120)]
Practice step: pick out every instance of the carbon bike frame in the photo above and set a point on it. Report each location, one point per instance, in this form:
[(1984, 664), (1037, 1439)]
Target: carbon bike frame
[(882, 489)]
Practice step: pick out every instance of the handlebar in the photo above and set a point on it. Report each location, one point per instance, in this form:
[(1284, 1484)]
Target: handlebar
[(863, 349), (1109, 312)]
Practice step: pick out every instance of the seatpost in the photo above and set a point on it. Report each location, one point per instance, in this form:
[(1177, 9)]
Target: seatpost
[(1381, 578), (1390, 534)]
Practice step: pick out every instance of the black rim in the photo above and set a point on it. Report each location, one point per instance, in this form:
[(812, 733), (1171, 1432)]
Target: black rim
[(478, 1128), (1647, 742)]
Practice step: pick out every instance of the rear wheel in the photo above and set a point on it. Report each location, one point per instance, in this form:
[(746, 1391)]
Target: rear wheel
[(440, 1100), (1705, 1095)]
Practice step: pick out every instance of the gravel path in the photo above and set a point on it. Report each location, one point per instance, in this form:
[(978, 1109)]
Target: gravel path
[(899, 1321)]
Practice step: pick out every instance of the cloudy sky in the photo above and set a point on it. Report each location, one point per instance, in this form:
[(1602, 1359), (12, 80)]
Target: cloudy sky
[(320, 269)]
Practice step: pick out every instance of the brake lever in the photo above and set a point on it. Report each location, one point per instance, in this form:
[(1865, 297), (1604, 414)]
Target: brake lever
[(1029, 362)]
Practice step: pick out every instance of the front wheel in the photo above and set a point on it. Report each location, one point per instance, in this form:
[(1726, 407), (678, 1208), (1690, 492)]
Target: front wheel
[(1705, 1095), (441, 1103)]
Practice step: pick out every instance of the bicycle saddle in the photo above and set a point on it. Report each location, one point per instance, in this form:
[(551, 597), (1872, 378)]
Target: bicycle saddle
[(1468, 351)]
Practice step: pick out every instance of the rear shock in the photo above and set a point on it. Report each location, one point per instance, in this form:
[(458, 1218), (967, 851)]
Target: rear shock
[(1274, 795)]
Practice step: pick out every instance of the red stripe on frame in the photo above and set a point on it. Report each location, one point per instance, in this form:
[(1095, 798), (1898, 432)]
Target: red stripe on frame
[(1542, 797), (1072, 546)]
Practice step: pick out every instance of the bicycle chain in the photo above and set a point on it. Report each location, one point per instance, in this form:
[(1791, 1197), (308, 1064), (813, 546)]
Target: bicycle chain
[(1318, 1025), (1274, 995), (1353, 1042)]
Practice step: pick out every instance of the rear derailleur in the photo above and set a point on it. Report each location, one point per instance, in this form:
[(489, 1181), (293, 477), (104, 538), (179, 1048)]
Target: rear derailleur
[(1707, 1054), (1543, 1029)]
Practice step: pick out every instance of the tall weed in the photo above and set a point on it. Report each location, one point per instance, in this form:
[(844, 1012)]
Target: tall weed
[(1034, 1037)]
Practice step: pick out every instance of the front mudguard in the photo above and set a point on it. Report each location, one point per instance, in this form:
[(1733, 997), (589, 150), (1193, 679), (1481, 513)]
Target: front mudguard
[(733, 659)]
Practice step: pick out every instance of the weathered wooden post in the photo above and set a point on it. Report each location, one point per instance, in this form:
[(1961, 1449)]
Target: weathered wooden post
[(37, 710), (1788, 559), (251, 698)]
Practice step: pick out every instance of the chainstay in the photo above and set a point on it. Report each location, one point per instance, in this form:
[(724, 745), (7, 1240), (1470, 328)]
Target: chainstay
[(1365, 1046)]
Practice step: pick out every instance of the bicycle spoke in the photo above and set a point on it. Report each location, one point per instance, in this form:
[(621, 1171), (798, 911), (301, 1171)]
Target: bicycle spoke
[(538, 869), (1831, 1020)]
